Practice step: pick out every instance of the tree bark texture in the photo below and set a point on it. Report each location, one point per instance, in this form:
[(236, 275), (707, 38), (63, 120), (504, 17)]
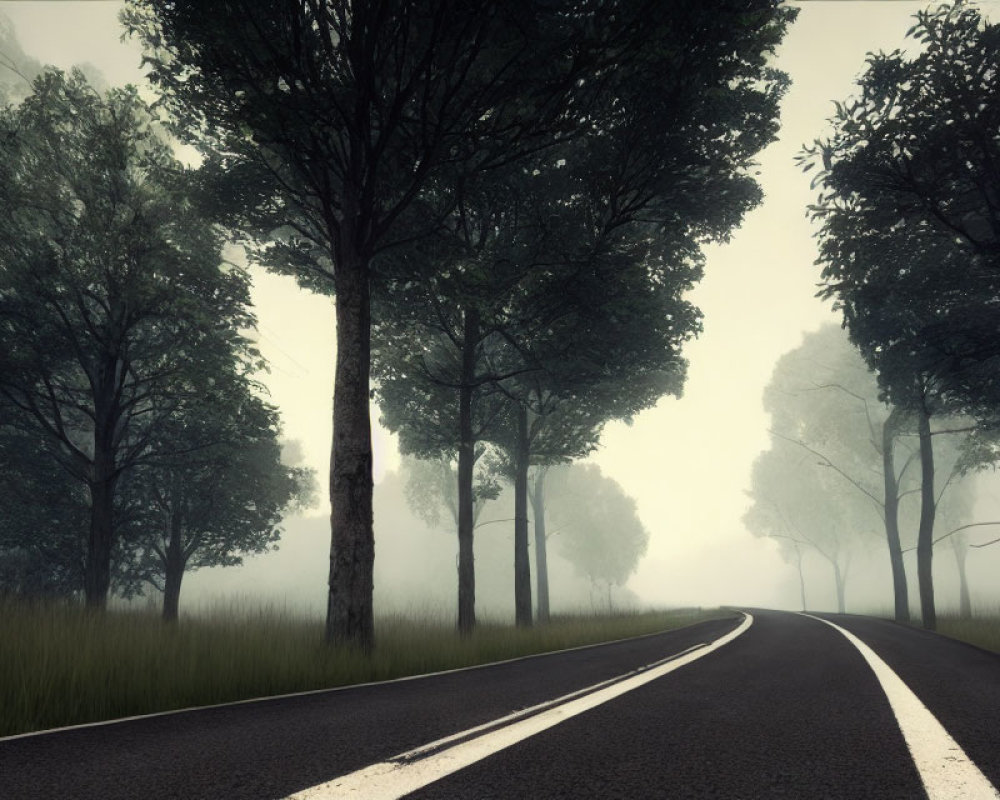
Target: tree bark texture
[(97, 567), (466, 463), (925, 535), (900, 592), (102, 485), (173, 572), (350, 614), (522, 567), (541, 552)]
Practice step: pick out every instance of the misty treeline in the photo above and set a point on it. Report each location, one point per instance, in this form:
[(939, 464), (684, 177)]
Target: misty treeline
[(909, 246), (135, 443), (506, 200), (843, 477), (589, 520)]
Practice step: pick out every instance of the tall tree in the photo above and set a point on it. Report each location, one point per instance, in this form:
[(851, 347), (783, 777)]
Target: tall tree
[(110, 289), (417, 378), (908, 243), (354, 112), (799, 502), (223, 498), (825, 401), (910, 203)]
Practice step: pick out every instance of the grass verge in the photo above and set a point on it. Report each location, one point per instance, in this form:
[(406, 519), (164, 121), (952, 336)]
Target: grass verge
[(61, 665), (982, 631)]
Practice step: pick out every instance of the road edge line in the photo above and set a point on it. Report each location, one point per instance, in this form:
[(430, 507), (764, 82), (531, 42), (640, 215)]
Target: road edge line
[(343, 687), (402, 774), (945, 769), (425, 750)]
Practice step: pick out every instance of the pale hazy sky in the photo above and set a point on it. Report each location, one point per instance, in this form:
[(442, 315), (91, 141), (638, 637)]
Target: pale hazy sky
[(687, 462)]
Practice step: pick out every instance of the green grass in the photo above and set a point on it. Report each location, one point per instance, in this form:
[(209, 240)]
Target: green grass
[(980, 630), (61, 665)]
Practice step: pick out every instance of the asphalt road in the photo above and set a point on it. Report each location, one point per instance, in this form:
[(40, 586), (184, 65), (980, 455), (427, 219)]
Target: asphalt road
[(787, 709)]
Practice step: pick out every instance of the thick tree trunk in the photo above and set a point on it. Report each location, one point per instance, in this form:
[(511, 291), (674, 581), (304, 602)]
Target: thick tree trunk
[(541, 553), (925, 535), (97, 566), (174, 566), (172, 592), (350, 617), (103, 480), (964, 599), (522, 567), (466, 462), (900, 591)]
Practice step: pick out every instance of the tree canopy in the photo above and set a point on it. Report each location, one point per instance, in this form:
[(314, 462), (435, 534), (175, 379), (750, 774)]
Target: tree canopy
[(116, 312), (350, 127), (222, 498), (595, 524), (910, 211)]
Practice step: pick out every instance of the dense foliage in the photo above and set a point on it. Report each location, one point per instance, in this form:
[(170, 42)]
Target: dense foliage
[(353, 129), (123, 331)]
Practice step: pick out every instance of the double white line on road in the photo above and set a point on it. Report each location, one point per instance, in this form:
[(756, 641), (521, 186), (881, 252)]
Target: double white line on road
[(946, 771), (414, 769)]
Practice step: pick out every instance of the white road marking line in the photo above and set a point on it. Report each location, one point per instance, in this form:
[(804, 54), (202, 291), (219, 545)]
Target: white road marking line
[(408, 771), (946, 771), (430, 747)]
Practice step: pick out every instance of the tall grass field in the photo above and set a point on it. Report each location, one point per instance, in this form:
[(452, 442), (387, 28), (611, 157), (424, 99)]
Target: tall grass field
[(62, 665)]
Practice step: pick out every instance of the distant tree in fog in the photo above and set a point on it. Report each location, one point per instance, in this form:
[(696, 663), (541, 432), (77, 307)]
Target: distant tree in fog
[(826, 413), (17, 69), (595, 524), (432, 488), (954, 513), (803, 504), (826, 416)]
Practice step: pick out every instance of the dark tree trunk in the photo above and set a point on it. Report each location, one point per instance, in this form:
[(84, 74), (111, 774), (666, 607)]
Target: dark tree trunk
[(925, 536), (522, 567), (174, 566), (172, 592), (466, 462), (350, 616), (900, 591), (541, 553), (97, 567), (102, 484), (964, 599)]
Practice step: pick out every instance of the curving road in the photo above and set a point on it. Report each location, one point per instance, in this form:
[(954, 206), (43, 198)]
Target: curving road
[(786, 706)]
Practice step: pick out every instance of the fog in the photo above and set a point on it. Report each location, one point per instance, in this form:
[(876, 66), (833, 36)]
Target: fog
[(686, 462)]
